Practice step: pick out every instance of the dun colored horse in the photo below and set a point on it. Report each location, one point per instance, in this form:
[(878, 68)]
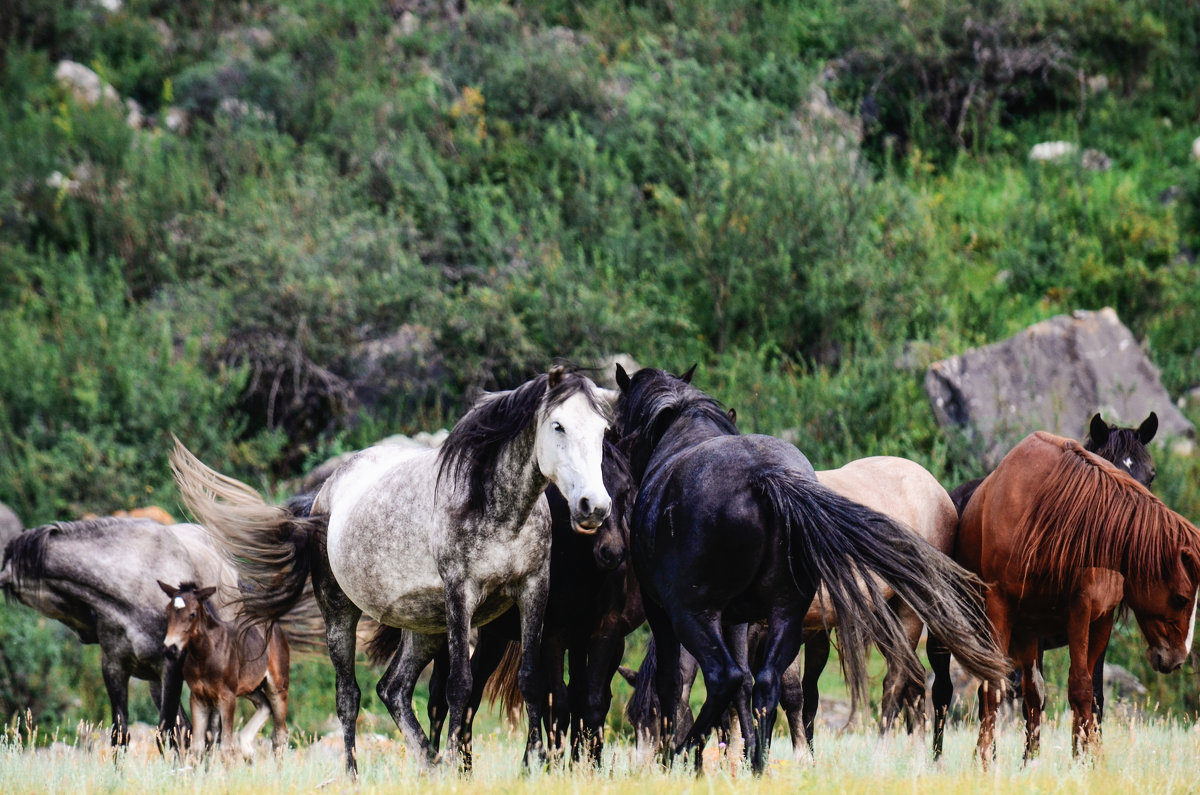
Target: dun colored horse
[(1060, 538), (222, 663)]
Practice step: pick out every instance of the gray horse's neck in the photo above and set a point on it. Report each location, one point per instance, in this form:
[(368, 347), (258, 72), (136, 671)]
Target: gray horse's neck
[(511, 497)]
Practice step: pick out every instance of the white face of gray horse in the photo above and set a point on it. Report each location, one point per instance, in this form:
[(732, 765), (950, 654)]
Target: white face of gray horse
[(569, 448)]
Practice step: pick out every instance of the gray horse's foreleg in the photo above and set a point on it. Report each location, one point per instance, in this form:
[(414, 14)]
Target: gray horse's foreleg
[(462, 597), (531, 603), (396, 687)]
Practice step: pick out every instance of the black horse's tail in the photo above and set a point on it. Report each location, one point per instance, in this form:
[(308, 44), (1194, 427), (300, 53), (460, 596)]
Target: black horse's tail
[(268, 545), (839, 543)]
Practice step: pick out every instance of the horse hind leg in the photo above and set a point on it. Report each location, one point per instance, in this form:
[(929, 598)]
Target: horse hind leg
[(396, 687), (791, 698), (262, 711), (341, 623), (816, 656), (723, 675), (785, 632), (900, 693), (942, 691)]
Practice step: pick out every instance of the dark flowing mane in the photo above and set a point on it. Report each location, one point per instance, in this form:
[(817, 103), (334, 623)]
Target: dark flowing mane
[(27, 551), (1088, 514), (472, 450), (652, 403)]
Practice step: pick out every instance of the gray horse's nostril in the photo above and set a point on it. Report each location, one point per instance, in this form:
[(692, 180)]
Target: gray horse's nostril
[(584, 506)]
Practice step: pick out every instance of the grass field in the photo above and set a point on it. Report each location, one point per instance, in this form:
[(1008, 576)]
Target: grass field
[(1138, 756)]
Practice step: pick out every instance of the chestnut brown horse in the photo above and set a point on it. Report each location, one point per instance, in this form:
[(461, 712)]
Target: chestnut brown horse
[(222, 662), (1061, 537)]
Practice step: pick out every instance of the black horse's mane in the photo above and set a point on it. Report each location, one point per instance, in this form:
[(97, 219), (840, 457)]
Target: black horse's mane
[(472, 450), (27, 551), (652, 403), (1121, 443)]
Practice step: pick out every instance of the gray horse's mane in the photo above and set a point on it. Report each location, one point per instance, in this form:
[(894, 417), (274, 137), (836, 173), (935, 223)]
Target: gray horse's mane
[(472, 451)]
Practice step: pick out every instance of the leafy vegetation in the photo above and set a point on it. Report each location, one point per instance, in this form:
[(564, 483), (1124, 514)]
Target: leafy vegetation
[(811, 200)]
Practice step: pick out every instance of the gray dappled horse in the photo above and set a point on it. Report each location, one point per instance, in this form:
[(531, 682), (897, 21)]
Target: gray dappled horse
[(431, 541), (100, 578)]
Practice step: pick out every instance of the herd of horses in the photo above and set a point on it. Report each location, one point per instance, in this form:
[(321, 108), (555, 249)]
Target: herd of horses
[(558, 517)]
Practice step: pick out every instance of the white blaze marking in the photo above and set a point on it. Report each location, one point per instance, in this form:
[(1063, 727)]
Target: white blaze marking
[(1192, 626), (180, 604), (1128, 462)]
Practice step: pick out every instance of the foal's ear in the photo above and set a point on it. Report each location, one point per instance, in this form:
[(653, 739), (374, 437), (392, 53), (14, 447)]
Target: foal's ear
[(687, 377), (556, 375), (622, 378), (167, 589), (1148, 428), (1098, 431), (205, 593)]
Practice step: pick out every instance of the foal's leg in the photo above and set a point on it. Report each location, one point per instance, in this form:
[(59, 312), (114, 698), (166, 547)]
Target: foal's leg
[(341, 622), (396, 687), (262, 711), (785, 631), (202, 723), (816, 655)]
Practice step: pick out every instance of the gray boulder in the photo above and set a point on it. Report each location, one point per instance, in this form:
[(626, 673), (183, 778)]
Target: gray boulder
[(1052, 376)]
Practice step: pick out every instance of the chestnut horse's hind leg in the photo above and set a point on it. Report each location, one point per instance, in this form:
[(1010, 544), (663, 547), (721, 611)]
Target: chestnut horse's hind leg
[(1033, 692), (991, 693)]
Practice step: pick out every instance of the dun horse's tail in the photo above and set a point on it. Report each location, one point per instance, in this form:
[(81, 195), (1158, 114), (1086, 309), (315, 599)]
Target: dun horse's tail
[(503, 685), (840, 542), (269, 545)]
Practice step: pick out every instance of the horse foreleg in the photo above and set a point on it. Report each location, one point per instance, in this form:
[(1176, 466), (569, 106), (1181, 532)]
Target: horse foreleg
[(116, 682), (1033, 692), (438, 706), (227, 707), (816, 655), (174, 729), (942, 692), (396, 687), (603, 656), (462, 597), (341, 622), (785, 633), (202, 723), (531, 603), (558, 706), (1089, 627), (262, 711)]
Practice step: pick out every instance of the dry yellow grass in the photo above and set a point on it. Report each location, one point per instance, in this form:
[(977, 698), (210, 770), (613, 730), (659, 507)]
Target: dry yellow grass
[(1137, 757)]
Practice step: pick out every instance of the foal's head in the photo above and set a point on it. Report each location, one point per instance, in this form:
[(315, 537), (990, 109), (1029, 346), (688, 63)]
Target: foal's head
[(185, 614), (1125, 447)]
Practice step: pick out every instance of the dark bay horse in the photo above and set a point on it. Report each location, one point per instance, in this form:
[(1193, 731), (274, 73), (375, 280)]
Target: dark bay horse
[(1061, 537), (99, 577), (1126, 449), (427, 540), (592, 605), (731, 528)]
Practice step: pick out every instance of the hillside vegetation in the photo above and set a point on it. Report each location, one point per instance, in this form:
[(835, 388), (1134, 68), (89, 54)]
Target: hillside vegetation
[(332, 221)]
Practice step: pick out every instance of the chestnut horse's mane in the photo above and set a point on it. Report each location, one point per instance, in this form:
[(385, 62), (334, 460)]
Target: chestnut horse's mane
[(1086, 513)]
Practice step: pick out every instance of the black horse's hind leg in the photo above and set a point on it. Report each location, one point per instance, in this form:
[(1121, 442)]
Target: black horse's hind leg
[(816, 655), (942, 691), (785, 632), (791, 698), (116, 682), (558, 707), (735, 636), (341, 621), (723, 676), (666, 680), (396, 687), (438, 705), (489, 651)]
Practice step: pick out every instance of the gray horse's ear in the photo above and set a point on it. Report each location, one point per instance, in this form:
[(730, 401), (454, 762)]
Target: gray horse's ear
[(1098, 431), (630, 675), (167, 589), (622, 378), (556, 375), (205, 593), (687, 377), (1148, 428)]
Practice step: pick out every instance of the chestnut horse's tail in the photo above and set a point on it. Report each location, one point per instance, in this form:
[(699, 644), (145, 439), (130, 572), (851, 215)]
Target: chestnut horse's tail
[(839, 543), (270, 546), (503, 685)]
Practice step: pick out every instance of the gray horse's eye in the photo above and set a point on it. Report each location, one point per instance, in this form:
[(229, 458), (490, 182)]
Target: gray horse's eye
[(558, 428)]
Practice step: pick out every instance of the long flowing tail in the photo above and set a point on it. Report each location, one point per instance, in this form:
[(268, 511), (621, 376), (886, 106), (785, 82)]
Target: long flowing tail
[(839, 542), (268, 545), (503, 685)]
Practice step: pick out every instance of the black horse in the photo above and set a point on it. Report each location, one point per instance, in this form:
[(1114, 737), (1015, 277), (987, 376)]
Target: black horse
[(730, 528), (1126, 449), (593, 604)]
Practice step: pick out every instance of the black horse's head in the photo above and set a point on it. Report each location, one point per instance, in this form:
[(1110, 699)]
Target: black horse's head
[(1125, 447), (612, 539), (651, 400)]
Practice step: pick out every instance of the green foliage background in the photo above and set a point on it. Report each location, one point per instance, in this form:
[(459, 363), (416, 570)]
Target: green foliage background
[(550, 179)]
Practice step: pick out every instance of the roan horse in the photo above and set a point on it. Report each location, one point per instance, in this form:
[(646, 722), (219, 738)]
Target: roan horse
[(1126, 449), (1060, 538), (730, 528), (910, 495), (99, 577), (431, 541), (221, 663), (592, 604)]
